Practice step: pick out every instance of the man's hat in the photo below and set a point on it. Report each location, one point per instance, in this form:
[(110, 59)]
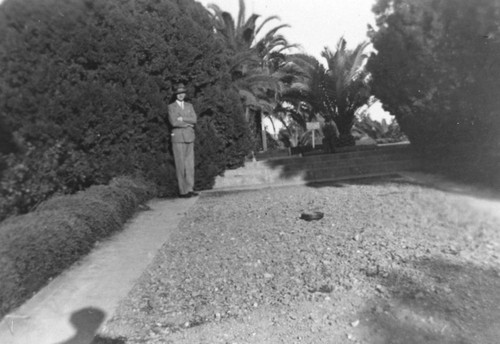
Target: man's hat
[(180, 89)]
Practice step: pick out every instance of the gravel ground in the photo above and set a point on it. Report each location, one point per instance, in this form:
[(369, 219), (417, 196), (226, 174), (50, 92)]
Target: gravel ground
[(390, 262)]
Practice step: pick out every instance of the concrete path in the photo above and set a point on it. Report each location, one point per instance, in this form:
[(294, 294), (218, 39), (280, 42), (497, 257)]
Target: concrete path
[(72, 308)]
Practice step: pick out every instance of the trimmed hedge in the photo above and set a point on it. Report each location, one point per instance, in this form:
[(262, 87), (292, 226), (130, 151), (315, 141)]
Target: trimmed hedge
[(38, 246)]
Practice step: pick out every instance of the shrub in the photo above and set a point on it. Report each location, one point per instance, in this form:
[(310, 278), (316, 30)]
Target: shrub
[(122, 200), (381, 132), (209, 154), (37, 246), (7, 142), (85, 89), (38, 173), (100, 216), (227, 122), (141, 188)]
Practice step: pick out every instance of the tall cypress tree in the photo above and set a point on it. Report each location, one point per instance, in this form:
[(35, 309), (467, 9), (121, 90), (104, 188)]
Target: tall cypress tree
[(92, 79)]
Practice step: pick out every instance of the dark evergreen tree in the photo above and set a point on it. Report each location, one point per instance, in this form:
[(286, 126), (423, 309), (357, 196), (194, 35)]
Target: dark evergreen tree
[(90, 80), (436, 68)]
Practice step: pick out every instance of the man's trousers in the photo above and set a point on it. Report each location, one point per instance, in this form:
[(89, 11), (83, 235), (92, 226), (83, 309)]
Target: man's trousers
[(184, 165)]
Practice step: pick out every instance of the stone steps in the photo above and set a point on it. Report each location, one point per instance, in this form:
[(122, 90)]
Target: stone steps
[(378, 161)]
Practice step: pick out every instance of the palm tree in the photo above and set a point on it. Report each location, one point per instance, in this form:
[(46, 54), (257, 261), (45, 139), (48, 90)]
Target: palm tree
[(336, 92), (304, 80), (255, 60), (346, 87), (242, 35)]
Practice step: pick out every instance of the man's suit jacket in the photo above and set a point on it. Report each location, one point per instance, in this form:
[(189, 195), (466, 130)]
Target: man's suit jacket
[(183, 131)]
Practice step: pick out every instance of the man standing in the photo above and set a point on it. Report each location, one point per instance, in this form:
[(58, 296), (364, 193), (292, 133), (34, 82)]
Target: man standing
[(183, 118)]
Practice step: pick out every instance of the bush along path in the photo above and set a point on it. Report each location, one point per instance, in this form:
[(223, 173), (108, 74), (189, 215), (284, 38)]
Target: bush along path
[(73, 305), (38, 246), (392, 261)]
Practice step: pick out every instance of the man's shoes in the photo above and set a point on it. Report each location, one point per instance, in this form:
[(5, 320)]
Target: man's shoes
[(189, 194)]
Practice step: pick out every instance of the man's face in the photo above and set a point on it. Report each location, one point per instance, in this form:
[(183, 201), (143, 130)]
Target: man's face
[(181, 96)]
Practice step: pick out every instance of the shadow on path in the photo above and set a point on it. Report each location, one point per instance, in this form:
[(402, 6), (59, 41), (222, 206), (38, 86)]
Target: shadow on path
[(435, 301), (426, 180), (87, 322), (378, 180)]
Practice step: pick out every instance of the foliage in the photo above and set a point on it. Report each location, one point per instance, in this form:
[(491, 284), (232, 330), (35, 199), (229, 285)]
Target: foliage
[(37, 246), (32, 177), (256, 60), (223, 109), (84, 90), (271, 142), (336, 92), (436, 68), (294, 135), (346, 85), (381, 132), (304, 90), (7, 142)]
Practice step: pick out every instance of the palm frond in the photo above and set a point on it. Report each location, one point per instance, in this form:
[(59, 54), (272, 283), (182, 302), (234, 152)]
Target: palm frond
[(267, 20), (228, 24), (246, 58), (251, 23), (273, 31), (249, 99), (241, 14)]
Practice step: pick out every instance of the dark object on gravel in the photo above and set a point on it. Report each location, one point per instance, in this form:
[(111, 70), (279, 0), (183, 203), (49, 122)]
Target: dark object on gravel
[(315, 215)]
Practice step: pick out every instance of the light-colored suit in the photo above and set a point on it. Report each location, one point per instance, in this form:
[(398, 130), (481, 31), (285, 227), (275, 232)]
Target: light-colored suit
[(183, 121)]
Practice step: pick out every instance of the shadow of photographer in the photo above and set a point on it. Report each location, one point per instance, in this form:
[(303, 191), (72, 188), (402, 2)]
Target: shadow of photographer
[(87, 322)]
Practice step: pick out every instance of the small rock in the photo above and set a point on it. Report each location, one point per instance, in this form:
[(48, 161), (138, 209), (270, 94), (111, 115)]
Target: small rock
[(355, 323), (372, 271), (446, 290), (268, 275), (381, 289), (351, 337)]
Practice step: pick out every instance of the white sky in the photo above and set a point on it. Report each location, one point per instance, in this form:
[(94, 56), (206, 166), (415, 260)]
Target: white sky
[(314, 23)]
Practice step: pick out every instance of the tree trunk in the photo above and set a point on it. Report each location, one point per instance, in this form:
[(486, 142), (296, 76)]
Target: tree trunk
[(344, 125), (264, 133)]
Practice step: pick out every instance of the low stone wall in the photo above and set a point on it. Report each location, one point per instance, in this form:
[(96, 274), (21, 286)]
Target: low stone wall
[(355, 162)]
